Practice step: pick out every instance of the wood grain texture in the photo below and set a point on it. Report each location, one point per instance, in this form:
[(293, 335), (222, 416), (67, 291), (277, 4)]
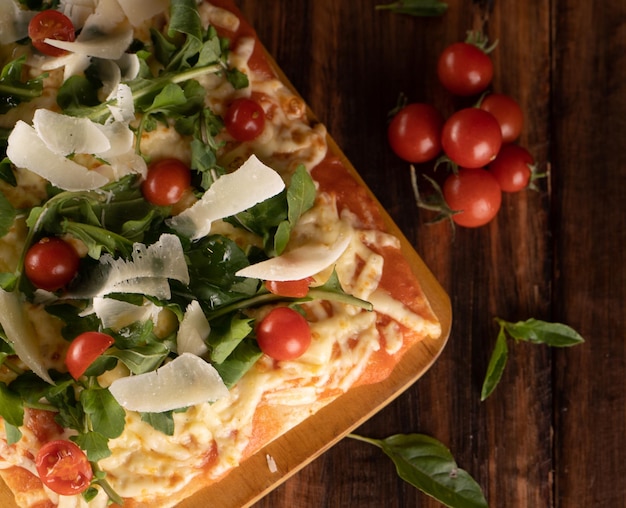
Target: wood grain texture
[(552, 435)]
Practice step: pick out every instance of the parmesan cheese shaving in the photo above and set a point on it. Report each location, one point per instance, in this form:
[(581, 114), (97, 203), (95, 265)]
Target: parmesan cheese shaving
[(21, 334), (146, 273), (252, 183), (138, 11), (26, 150), (109, 45), (193, 331), (299, 263), (185, 381), (65, 134)]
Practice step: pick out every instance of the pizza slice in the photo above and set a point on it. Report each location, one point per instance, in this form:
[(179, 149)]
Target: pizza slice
[(191, 269)]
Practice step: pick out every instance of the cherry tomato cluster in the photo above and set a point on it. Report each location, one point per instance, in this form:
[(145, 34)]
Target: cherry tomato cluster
[(477, 142)]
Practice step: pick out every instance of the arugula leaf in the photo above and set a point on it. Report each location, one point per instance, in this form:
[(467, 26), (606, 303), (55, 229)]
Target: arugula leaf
[(429, 466), (163, 422), (212, 263), (274, 219), (96, 445), (245, 355), (13, 433), (7, 215), (106, 416), (11, 407), (13, 90), (420, 8), (532, 330), (226, 335)]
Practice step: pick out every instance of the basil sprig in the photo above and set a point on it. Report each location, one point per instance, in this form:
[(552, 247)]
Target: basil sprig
[(429, 466), (532, 330)]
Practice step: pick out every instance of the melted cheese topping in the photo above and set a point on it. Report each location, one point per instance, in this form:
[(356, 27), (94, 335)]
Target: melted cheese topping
[(146, 464)]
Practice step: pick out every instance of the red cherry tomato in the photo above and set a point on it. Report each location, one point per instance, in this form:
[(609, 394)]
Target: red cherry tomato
[(471, 137), (84, 349), (283, 334), (475, 194), (414, 133), (63, 467), (166, 182), (508, 113), (245, 119), (464, 69), (512, 168), (51, 264), (50, 24), (289, 288)]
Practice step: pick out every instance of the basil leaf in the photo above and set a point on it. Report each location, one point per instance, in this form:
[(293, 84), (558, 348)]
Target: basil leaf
[(497, 362), (543, 332), (429, 466)]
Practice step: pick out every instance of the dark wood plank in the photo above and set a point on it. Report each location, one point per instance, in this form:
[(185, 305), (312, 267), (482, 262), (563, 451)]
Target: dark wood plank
[(589, 172), (553, 432)]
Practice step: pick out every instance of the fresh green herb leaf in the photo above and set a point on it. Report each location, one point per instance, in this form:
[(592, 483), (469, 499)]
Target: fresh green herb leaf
[(429, 466), (542, 332), (226, 335), (532, 330), (96, 445), (7, 215), (13, 90), (496, 366), (11, 407), (140, 359), (163, 422), (13, 433), (105, 414), (212, 263), (420, 8), (245, 355), (333, 291)]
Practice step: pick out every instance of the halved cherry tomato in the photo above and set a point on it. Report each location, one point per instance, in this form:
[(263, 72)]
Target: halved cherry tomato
[(508, 113), (51, 263), (245, 119), (289, 288), (283, 334), (471, 137), (464, 69), (512, 168), (84, 349), (414, 133), (63, 467), (475, 194), (166, 182), (50, 24)]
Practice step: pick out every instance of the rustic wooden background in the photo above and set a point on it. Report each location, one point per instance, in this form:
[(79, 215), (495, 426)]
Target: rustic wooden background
[(554, 432)]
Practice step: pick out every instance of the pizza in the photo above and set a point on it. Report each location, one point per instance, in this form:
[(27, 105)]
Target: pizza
[(189, 268)]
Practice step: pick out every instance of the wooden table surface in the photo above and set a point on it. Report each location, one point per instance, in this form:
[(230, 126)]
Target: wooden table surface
[(554, 432)]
